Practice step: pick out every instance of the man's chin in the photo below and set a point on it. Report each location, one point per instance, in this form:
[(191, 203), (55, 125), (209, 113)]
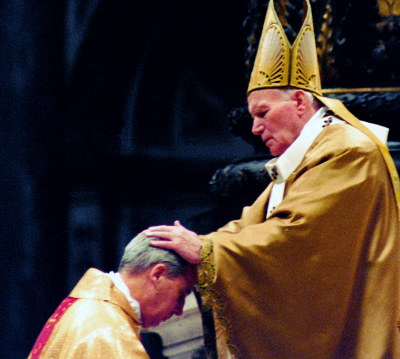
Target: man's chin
[(276, 151), (272, 150), (151, 324)]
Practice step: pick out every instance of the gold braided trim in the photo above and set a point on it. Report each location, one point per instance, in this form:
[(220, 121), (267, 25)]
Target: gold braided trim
[(211, 298)]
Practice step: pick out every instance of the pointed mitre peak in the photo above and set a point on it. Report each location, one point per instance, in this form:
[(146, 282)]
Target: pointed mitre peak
[(278, 64)]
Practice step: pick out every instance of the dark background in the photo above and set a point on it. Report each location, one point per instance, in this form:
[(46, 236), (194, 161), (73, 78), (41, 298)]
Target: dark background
[(113, 118)]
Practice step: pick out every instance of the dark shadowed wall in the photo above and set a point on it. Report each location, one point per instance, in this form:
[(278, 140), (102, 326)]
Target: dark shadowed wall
[(113, 118)]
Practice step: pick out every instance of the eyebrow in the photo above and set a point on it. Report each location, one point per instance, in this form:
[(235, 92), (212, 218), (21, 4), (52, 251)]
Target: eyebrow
[(259, 107)]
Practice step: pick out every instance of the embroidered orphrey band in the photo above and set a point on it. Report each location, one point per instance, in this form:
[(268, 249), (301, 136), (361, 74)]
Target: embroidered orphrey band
[(48, 328)]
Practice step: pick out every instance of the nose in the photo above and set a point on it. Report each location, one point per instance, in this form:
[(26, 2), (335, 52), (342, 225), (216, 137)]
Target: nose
[(257, 128)]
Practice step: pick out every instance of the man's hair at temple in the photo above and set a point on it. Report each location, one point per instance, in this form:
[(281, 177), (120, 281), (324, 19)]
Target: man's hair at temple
[(287, 92), (140, 255)]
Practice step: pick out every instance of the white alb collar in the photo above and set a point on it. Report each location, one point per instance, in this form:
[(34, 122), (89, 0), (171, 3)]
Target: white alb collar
[(120, 284), (282, 167)]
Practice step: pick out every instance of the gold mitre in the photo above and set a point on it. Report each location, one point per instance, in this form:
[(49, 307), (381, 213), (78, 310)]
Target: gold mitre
[(278, 64)]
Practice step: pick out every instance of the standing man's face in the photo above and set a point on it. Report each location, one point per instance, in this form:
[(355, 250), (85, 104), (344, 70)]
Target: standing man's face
[(275, 119)]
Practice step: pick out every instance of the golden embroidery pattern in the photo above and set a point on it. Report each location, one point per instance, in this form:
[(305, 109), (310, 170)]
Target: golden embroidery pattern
[(211, 298), (278, 64)]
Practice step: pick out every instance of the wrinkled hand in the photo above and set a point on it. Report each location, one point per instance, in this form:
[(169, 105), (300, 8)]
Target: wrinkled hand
[(178, 238)]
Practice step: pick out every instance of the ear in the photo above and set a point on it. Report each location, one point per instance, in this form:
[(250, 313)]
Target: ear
[(301, 100), (157, 272)]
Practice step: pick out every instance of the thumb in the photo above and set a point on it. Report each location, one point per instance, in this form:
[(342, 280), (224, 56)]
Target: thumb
[(178, 224)]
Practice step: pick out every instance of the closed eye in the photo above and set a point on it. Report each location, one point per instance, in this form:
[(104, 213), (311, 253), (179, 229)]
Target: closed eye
[(261, 114)]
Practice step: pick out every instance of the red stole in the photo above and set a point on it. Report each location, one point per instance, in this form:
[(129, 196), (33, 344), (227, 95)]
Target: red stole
[(48, 328)]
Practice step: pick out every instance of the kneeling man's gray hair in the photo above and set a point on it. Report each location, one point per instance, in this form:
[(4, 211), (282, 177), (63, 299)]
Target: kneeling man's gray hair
[(139, 255)]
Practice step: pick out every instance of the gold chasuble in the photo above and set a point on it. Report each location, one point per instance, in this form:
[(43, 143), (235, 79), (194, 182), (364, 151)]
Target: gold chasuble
[(320, 278), (95, 321)]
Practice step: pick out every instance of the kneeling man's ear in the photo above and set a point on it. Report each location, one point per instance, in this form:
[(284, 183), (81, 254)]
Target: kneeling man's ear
[(157, 272)]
